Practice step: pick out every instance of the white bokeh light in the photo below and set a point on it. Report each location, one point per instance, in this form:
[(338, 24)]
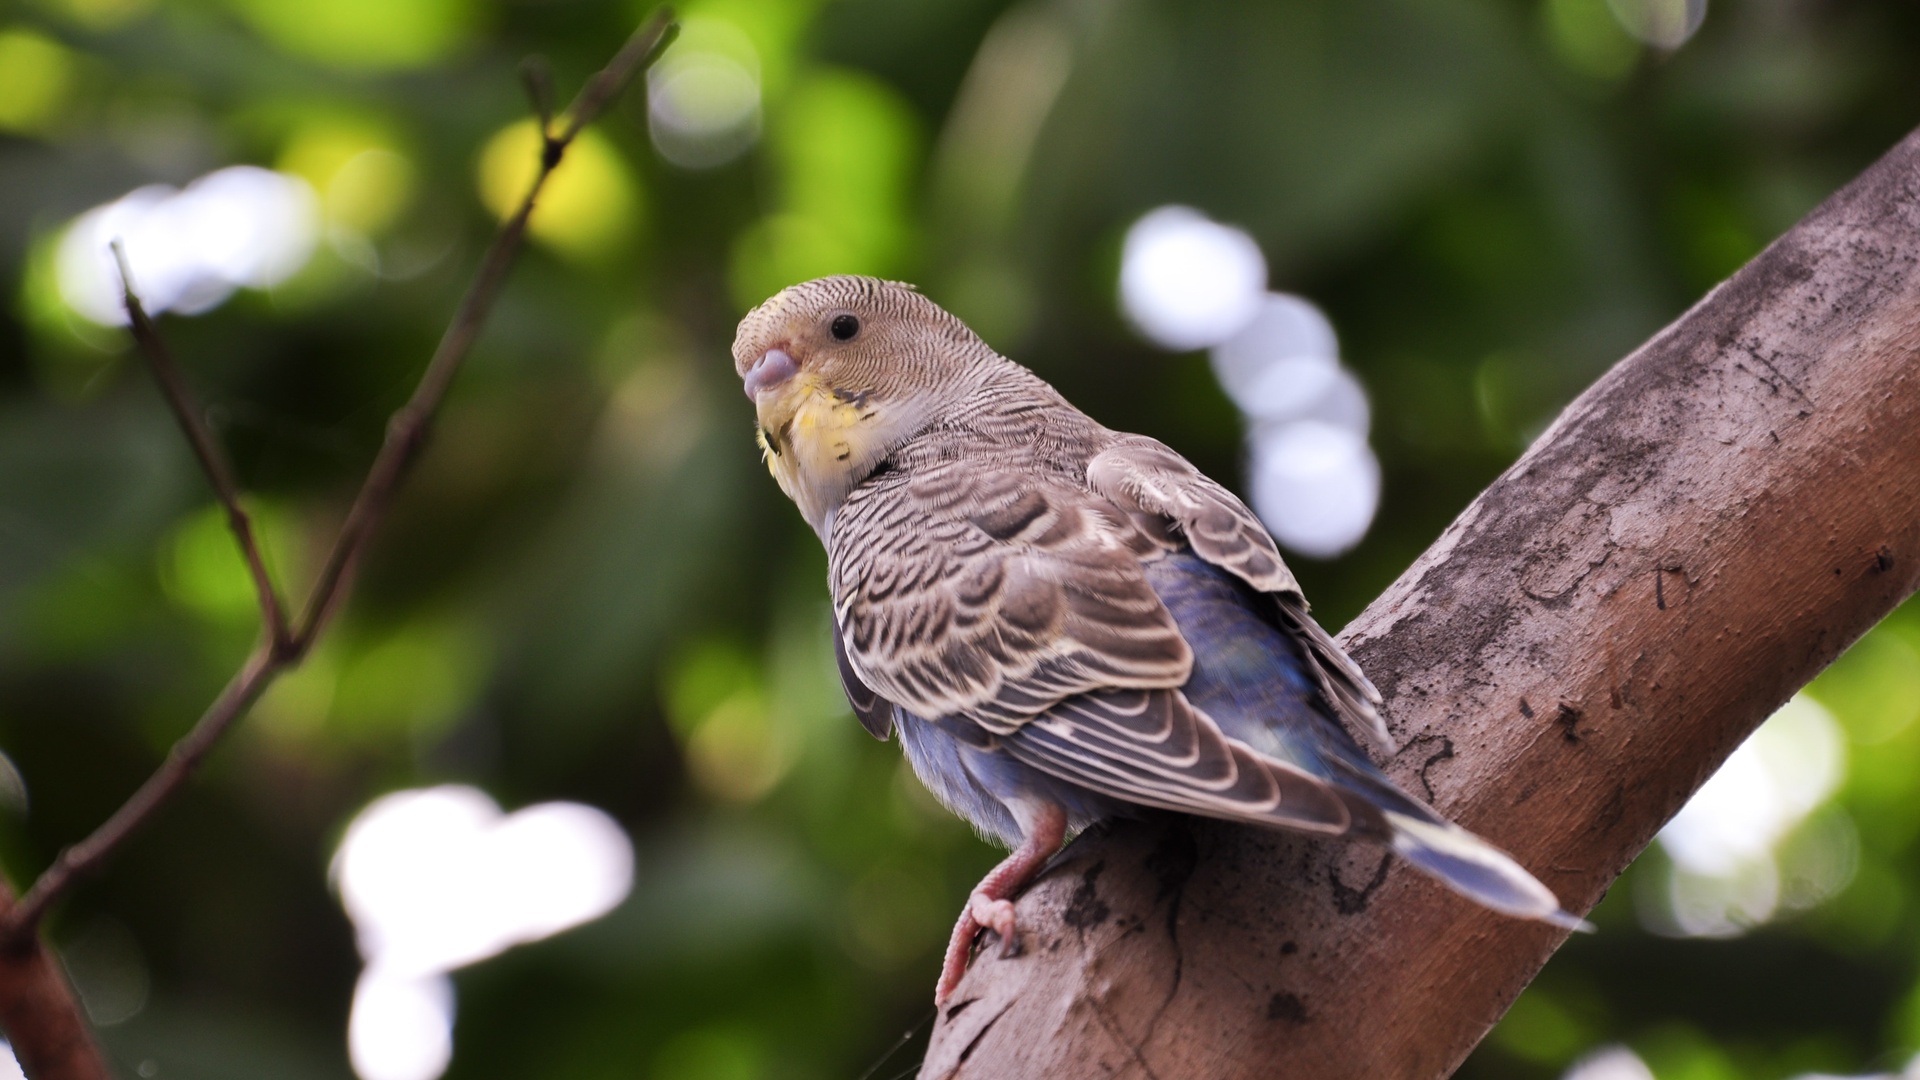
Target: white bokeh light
[(1315, 485), (10, 1065), (703, 96), (1664, 24), (241, 227), (401, 1027), (1280, 359), (1767, 786), (1720, 905), (1330, 396), (1609, 1063), (1726, 878), (439, 878), (1313, 479), (1187, 282)]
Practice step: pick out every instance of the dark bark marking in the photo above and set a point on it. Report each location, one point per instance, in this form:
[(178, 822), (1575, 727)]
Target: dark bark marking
[(1789, 383), (1172, 864), (1113, 1032), (1438, 756), (1351, 901), (1287, 1007), (1086, 910), (1569, 719), (974, 1043)]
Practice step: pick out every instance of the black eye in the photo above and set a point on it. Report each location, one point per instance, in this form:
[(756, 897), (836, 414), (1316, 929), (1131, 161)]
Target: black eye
[(844, 327)]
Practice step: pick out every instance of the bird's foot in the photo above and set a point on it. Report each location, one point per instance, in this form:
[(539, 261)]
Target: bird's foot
[(1045, 825), (996, 914), (983, 912), (959, 948)]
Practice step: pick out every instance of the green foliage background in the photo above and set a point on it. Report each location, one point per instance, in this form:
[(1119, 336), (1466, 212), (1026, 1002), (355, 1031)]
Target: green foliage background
[(590, 591)]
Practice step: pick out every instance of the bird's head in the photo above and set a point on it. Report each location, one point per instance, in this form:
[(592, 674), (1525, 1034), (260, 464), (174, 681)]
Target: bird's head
[(841, 371)]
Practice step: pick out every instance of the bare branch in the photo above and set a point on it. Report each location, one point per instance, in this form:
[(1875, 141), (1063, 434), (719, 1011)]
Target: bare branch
[(39, 1013), (536, 78), (639, 53), (37, 1008), (406, 433), (213, 460), (253, 678)]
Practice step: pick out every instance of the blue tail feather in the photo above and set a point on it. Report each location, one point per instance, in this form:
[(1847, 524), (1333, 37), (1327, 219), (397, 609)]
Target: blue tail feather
[(1254, 680)]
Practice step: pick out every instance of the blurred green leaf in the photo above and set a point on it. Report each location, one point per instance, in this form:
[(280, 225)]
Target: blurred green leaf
[(36, 75), (363, 34)]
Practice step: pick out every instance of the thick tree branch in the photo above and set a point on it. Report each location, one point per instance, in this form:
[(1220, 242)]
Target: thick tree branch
[(42, 1033), (38, 1011), (1695, 538)]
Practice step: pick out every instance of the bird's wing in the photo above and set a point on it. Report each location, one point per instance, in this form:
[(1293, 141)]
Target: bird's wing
[(1143, 475), (1146, 478), (1155, 748), (990, 593), (1013, 608), (874, 712)]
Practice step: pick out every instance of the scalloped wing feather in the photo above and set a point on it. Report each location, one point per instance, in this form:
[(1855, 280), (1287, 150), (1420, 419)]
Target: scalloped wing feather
[(874, 712), (969, 590), (1145, 478), (1154, 748)]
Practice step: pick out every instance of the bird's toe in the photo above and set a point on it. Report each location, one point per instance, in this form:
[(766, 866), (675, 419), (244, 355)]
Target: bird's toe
[(996, 915), (959, 948)]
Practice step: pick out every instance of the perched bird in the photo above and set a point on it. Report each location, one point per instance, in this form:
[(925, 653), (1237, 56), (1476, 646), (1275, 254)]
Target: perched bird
[(1062, 621)]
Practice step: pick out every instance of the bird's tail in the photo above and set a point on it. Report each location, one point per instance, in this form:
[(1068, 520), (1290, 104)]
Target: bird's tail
[(1477, 870)]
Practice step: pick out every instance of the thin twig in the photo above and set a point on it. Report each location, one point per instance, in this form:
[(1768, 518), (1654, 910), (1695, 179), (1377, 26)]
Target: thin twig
[(406, 434), (407, 431), (536, 78), (639, 53), (213, 460), (252, 680)]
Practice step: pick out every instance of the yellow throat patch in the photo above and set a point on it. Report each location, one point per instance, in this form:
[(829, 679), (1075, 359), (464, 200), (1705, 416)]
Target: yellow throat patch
[(813, 440)]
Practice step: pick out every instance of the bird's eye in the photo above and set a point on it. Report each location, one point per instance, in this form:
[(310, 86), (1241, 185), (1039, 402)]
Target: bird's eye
[(844, 327)]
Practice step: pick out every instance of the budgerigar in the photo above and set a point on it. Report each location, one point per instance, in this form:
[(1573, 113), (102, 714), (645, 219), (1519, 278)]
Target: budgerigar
[(1062, 621)]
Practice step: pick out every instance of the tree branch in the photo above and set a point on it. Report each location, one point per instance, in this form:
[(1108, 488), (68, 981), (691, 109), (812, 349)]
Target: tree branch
[(1693, 540), (40, 1033), (213, 460), (407, 431), (39, 1013), (252, 680)]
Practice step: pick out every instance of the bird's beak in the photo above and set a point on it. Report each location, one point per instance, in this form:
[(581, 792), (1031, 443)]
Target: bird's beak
[(773, 368)]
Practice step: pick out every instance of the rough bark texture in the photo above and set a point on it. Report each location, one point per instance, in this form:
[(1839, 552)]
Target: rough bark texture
[(39, 1014), (1695, 538)]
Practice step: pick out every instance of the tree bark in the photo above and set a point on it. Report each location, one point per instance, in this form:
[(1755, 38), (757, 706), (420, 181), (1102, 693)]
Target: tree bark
[(1698, 535), (40, 1015)]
